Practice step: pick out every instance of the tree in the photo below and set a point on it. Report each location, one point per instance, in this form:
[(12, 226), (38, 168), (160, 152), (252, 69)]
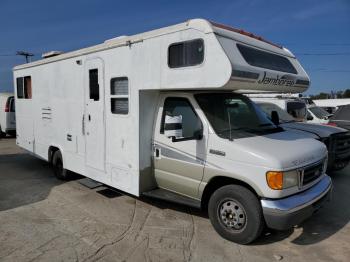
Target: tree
[(346, 93)]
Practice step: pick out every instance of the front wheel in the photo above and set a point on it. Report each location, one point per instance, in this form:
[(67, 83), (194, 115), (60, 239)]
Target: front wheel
[(236, 214)]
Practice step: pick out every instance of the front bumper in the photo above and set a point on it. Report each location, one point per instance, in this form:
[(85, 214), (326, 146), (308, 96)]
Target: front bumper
[(284, 213)]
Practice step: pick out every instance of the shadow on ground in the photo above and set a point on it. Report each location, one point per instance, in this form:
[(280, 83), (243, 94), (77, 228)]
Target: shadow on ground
[(24, 179)]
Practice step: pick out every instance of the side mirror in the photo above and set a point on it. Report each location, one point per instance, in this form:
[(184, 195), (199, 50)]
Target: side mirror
[(309, 117), (173, 126), (275, 118)]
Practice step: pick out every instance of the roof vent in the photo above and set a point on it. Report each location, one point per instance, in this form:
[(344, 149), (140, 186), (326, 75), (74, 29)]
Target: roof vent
[(51, 54), (115, 39)]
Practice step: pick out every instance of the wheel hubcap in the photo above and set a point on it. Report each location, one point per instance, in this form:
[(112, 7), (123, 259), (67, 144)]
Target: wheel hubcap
[(232, 215)]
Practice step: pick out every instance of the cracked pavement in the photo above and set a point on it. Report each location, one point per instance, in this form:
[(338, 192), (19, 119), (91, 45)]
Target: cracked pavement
[(43, 219)]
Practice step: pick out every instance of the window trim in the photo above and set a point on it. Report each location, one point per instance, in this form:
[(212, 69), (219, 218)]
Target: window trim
[(119, 96), (22, 87), (239, 46), (161, 128), (183, 42)]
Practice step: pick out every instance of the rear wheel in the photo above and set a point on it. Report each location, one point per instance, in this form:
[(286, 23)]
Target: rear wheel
[(236, 214), (58, 168)]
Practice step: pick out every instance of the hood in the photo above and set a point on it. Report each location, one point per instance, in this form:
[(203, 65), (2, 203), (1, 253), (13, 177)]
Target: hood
[(322, 131), (279, 151)]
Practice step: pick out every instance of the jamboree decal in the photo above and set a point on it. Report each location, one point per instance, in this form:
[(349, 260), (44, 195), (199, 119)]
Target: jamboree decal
[(278, 81)]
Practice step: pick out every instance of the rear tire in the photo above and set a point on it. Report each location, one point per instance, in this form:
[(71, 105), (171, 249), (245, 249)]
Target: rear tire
[(236, 214), (58, 168)]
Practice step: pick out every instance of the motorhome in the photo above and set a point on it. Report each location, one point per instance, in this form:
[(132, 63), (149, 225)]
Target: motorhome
[(332, 105), (292, 105), (337, 140), (7, 114), (157, 115)]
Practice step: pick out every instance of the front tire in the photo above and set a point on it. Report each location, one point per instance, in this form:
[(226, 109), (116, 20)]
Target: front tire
[(58, 168), (236, 214)]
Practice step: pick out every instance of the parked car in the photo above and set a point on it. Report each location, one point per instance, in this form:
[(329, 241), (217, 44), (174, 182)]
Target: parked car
[(336, 139), (7, 114), (341, 117), (317, 115)]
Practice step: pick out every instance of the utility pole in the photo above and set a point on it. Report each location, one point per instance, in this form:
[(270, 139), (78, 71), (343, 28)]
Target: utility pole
[(26, 54)]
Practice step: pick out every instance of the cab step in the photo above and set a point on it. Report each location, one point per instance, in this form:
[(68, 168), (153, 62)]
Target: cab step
[(89, 183), (167, 195)]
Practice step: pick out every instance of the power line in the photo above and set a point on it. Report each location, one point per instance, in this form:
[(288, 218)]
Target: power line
[(322, 54)]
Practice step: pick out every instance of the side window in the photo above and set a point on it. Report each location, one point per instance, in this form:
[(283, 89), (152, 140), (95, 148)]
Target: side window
[(120, 95), (175, 106), (187, 53), (93, 84), (24, 87)]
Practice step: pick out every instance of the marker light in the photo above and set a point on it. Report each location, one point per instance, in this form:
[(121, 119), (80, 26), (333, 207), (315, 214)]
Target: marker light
[(278, 180), (275, 180)]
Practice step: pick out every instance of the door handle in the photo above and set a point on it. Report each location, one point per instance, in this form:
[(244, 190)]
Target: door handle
[(83, 125), (157, 153), (89, 118)]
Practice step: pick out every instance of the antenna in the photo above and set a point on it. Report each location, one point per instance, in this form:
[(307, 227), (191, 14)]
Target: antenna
[(26, 54)]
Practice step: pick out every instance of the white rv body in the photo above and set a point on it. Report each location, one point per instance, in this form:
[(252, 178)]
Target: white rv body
[(102, 108), (7, 114)]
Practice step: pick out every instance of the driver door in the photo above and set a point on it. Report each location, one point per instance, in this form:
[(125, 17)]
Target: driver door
[(179, 164)]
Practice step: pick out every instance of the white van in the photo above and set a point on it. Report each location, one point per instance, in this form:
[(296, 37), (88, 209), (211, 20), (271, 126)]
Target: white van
[(317, 115), (156, 114), (7, 114)]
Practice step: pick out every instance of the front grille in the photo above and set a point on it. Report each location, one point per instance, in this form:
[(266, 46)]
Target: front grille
[(311, 173), (342, 145)]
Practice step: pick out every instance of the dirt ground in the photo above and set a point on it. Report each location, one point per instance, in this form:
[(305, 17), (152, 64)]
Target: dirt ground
[(44, 219)]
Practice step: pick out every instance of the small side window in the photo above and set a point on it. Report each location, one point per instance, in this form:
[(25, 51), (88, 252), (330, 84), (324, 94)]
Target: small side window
[(120, 95), (94, 86), (20, 93), (24, 87), (189, 53)]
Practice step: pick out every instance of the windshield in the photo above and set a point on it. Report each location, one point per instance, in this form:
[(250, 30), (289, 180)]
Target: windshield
[(297, 109), (283, 115), (234, 116), (319, 112)]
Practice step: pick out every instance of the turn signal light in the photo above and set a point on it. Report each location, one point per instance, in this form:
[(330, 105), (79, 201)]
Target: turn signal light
[(275, 180)]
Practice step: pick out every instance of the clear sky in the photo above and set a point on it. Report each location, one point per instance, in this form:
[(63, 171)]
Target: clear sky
[(316, 31)]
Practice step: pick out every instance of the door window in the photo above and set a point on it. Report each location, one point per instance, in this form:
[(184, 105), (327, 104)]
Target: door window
[(176, 106), (94, 86)]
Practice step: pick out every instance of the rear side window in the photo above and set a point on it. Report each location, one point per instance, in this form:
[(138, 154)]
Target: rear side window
[(24, 87), (120, 95), (189, 53), (266, 60), (297, 109)]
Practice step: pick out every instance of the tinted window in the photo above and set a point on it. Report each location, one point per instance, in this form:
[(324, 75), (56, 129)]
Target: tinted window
[(175, 106), (319, 112), (187, 53), (120, 95), (94, 86), (12, 104), (20, 93), (266, 60)]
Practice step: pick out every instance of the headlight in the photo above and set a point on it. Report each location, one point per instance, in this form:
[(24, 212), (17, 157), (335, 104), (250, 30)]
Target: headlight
[(279, 180)]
